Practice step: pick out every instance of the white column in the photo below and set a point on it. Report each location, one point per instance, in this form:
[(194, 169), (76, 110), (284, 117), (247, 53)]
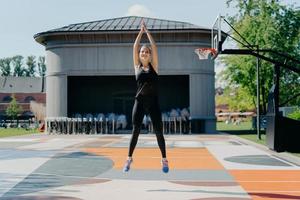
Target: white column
[(56, 83), (56, 96)]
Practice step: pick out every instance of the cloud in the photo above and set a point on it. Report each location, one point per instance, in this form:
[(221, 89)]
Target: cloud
[(138, 10)]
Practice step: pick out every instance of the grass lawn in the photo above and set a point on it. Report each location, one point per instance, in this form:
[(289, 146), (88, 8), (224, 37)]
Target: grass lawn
[(222, 126), (7, 132)]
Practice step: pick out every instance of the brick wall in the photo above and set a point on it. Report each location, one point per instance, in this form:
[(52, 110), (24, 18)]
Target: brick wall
[(21, 99), (39, 97)]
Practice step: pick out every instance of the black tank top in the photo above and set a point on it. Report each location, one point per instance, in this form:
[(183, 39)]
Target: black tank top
[(147, 82)]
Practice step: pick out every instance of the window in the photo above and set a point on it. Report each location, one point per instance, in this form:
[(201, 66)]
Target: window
[(7, 99), (27, 113), (28, 99)]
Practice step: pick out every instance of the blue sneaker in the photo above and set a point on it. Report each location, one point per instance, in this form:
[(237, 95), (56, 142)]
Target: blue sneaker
[(127, 164), (165, 165)]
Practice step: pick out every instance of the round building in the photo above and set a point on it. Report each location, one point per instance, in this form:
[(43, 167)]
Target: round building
[(90, 68)]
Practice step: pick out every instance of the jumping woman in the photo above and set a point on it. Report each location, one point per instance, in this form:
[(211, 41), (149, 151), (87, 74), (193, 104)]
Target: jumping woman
[(145, 62)]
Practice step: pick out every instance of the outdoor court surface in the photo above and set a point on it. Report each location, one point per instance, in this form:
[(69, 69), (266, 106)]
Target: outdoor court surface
[(207, 167)]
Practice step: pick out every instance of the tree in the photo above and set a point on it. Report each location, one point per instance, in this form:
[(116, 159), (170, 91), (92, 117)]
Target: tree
[(41, 66), (236, 98), (17, 62), (13, 108), (295, 115), (31, 66), (5, 66), (13, 66), (269, 25)]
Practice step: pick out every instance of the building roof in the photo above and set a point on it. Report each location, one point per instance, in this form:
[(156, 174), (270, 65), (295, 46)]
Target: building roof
[(10, 84), (127, 23)]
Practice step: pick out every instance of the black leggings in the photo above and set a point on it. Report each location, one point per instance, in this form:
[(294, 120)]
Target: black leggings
[(142, 106)]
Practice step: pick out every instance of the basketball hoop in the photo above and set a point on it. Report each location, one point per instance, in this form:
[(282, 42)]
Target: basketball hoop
[(203, 53)]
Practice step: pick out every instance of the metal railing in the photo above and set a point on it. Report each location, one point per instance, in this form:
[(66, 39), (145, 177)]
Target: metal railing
[(64, 125)]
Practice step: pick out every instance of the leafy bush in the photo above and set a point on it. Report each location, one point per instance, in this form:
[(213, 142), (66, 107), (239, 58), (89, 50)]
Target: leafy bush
[(295, 115)]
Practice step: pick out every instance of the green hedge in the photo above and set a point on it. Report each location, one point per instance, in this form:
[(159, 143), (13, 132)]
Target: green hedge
[(295, 115)]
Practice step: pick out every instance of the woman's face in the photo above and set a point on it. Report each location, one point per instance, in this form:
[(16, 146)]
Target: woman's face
[(145, 54)]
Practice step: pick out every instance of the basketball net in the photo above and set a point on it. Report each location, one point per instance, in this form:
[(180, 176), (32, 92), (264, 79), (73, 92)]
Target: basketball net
[(203, 53)]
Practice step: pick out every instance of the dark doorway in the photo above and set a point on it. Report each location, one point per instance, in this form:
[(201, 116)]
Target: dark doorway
[(107, 94), (99, 94), (123, 103)]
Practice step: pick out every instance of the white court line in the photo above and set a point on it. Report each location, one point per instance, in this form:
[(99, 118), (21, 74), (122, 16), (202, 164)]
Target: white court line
[(272, 191), (268, 181), (196, 181), (284, 161), (19, 140)]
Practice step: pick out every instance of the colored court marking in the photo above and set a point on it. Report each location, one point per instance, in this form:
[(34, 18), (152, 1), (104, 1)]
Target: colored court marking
[(149, 158), (200, 168), (269, 184)]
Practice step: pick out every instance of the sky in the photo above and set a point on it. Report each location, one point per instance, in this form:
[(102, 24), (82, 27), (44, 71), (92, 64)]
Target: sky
[(21, 19)]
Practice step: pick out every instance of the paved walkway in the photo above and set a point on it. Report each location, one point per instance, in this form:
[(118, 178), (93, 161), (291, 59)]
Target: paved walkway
[(207, 167)]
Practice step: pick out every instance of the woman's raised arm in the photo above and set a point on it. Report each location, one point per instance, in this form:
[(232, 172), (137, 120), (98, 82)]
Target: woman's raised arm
[(154, 61), (136, 47)]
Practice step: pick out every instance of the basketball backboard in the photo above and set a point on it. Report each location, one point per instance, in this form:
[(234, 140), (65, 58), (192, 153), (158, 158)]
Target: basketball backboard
[(217, 39), (216, 35)]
